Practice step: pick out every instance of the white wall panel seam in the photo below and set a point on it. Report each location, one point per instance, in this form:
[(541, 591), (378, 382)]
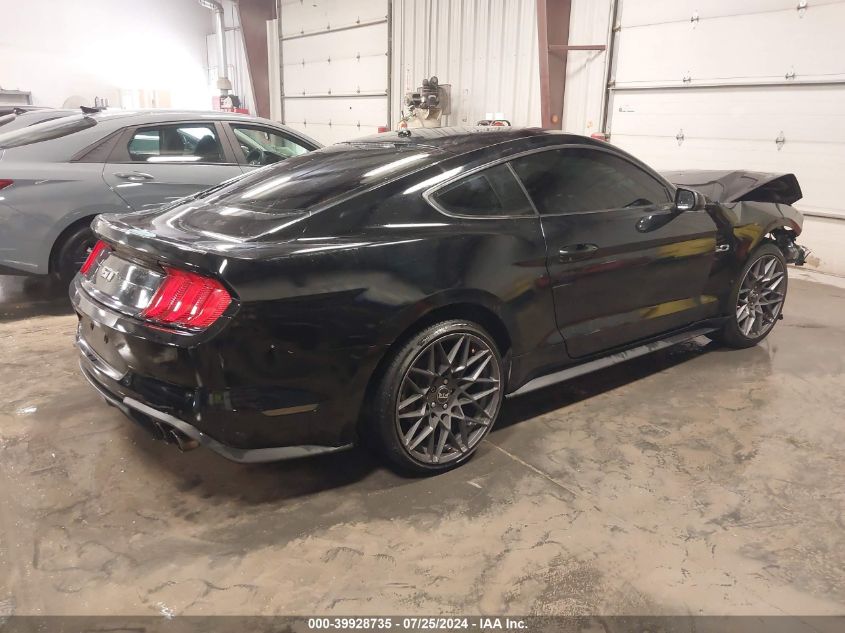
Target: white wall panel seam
[(336, 77), (702, 15)]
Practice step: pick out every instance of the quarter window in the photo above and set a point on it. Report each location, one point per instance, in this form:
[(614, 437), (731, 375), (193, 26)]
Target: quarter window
[(189, 143), (262, 146), (580, 180), (491, 192)]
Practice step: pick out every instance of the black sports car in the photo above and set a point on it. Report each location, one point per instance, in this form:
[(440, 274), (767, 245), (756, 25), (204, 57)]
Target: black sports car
[(394, 289)]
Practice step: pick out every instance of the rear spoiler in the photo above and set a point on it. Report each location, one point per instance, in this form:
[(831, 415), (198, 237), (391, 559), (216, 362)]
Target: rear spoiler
[(739, 186)]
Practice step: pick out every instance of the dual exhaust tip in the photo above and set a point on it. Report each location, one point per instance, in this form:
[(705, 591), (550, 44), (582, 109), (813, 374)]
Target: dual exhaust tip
[(165, 432), (172, 435)]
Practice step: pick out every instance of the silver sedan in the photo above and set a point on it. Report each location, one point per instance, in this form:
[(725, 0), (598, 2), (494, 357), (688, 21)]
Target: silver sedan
[(56, 176)]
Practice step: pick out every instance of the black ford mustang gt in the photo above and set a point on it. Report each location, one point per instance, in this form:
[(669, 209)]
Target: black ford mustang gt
[(394, 289)]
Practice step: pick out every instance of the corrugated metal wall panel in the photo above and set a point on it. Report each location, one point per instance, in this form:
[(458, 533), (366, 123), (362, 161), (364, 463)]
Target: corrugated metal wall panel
[(583, 97), (486, 50)]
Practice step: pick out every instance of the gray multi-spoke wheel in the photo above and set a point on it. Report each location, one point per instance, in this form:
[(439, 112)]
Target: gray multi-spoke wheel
[(761, 296), (448, 398), (757, 298), (440, 396)]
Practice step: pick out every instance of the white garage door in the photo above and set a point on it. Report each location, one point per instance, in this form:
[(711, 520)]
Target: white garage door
[(335, 67), (745, 84)]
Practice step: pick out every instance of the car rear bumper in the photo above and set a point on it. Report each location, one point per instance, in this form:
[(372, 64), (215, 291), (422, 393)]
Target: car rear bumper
[(218, 389), (166, 426)]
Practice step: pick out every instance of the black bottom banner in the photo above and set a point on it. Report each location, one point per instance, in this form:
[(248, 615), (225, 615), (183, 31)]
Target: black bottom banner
[(556, 624)]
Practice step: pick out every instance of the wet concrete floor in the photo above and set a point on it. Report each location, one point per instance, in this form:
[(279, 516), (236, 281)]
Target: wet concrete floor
[(697, 480)]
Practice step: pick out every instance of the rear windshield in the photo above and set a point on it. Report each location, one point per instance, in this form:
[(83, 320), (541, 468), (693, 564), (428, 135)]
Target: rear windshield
[(309, 180), (46, 130)]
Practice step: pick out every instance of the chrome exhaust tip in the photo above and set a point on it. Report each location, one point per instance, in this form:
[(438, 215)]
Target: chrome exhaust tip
[(172, 435), (183, 442)]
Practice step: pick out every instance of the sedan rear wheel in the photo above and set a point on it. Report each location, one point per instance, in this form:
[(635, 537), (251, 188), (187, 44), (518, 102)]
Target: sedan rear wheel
[(73, 251), (439, 397)]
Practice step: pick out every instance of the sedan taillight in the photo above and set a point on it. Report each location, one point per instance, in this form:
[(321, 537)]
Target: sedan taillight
[(6, 183), (186, 299), (93, 256)]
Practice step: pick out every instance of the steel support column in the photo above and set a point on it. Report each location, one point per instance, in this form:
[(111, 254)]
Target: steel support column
[(553, 31), (253, 17), (553, 26)]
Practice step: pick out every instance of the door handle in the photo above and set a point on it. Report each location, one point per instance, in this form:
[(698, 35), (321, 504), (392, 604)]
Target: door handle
[(134, 176), (574, 252)]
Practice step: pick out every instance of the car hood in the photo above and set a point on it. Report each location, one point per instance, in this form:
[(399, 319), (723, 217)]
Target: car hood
[(739, 186)]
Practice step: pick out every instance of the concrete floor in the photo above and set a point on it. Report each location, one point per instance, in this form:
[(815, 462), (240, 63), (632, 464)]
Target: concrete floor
[(694, 481)]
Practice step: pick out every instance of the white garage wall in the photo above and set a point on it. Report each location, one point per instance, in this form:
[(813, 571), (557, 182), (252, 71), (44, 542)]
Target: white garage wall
[(487, 51), (88, 48), (714, 85), (334, 67)]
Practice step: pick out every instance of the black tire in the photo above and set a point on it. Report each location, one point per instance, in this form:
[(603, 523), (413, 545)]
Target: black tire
[(732, 333), (71, 252), (445, 401)]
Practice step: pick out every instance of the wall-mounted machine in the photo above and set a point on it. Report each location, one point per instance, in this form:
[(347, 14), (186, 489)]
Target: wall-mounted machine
[(428, 105)]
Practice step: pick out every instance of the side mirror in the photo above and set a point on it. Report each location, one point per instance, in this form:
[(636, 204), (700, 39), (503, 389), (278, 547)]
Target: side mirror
[(688, 200)]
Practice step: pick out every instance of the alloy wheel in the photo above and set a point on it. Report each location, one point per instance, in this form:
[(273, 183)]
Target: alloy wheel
[(761, 297), (448, 398)]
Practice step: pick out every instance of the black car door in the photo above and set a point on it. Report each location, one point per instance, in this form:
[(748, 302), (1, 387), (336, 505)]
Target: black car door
[(624, 263)]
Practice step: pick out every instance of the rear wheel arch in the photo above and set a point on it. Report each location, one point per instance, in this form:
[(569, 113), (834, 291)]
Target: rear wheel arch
[(60, 241), (478, 313), (475, 312)]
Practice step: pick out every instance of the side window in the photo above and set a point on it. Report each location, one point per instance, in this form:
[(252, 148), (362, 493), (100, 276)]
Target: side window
[(492, 191), (578, 180), (187, 143), (263, 146)]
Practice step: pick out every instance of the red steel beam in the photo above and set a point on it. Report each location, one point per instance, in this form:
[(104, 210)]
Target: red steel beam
[(253, 16), (553, 32), (577, 47)]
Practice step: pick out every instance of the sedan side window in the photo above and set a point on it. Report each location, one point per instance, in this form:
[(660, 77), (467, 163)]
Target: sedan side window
[(578, 180), (263, 146), (493, 191), (189, 143)]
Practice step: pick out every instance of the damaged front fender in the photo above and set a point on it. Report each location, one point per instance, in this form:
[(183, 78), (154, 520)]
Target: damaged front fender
[(750, 207)]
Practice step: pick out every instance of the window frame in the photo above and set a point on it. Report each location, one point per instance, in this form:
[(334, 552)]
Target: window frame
[(666, 185), (120, 153), (235, 145), (429, 193)]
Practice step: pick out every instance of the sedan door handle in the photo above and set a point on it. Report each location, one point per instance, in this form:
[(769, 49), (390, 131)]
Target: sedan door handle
[(576, 251), (134, 176)]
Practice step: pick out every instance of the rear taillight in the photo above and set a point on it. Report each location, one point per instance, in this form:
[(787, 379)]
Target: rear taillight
[(93, 256), (5, 183), (185, 299)]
